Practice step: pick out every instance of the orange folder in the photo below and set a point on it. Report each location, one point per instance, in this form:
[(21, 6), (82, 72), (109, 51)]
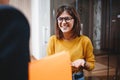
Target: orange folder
[(54, 67)]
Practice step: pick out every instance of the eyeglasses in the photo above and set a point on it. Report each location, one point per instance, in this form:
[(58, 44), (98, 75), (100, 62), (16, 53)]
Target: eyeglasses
[(67, 19)]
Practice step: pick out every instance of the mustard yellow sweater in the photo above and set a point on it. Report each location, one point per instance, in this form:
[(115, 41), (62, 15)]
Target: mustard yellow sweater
[(78, 48)]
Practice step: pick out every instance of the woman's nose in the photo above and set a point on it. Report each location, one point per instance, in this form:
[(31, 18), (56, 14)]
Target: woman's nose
[(64, 21)]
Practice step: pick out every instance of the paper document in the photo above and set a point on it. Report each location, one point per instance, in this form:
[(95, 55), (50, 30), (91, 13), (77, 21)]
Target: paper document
[(54, 67)]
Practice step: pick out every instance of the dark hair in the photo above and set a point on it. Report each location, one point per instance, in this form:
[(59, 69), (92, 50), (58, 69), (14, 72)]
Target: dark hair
[(76, 27)]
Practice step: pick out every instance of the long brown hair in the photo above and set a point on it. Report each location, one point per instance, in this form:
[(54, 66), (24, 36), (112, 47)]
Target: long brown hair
[(76, 27)]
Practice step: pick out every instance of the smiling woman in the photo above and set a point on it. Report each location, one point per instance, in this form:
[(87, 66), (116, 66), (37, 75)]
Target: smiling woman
[(68, 38)]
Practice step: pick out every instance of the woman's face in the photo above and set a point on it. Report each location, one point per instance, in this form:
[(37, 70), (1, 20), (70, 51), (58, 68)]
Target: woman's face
[(65, 22)]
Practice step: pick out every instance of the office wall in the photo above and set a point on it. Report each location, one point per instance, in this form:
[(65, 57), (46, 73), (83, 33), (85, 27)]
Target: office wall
[(38, 14)]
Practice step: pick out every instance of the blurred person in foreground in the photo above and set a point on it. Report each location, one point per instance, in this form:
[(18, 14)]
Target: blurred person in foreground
[(14, 44), (68, 38)]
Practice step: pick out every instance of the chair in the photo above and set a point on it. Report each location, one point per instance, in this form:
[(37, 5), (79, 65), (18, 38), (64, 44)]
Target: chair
[(54, 67), (14, 44)]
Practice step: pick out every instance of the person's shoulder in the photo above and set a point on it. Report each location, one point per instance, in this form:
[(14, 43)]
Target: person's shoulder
[(53, 37), (84, 38)]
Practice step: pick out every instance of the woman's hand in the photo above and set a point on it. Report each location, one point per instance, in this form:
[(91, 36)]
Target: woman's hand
[(78, 63)]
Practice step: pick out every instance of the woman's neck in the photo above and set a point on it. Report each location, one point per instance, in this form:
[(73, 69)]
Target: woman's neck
[(67, 36)]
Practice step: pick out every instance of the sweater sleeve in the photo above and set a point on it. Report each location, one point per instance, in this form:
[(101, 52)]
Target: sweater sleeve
[(88, 53)]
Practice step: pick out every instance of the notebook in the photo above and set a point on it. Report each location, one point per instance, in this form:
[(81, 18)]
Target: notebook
[(54, 67)]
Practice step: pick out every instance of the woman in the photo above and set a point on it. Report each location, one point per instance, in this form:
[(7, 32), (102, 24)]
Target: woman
[(68, 38)]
